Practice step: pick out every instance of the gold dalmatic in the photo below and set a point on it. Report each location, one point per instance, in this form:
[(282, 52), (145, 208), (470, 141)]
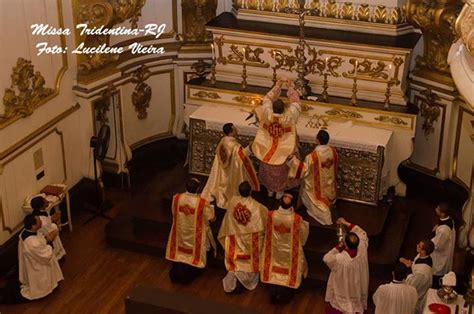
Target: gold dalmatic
[(283, 262), (241, 234), (187, 238)]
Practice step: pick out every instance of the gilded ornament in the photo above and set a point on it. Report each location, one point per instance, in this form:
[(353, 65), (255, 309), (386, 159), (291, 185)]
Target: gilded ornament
[(196, 13), (105, 13), (363, 12), (267, 5), (331, 9), (26, 91), (201, 68), (251, 57), (436, 19), (342, 113), (204, 94), (393, 120), (141, 96), (347, 11), (248, 100), (464, 26), (371, 69), (430, 110), (380, 14)]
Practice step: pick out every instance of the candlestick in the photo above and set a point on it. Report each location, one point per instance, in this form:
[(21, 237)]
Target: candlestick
[(244, 71), (387, 95), (354, 86), (213, 66)]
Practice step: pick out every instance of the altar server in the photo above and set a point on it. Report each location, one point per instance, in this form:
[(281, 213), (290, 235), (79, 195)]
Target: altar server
[(319, 173), (231, 166), (276, 138), (396, 297), (49, 223), (444, 242), (38, 268), (348, 283), (421, 271), (241, 236), (190, 237), (283, 263)]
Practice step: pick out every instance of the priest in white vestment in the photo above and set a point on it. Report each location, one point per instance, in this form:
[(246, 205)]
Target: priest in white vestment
[(397, 297), (241, 236), (283, 263), (319, 172), (231, 167), (421, 271), (39, 271), (348, 284), (49, 223), (444, 242), (276, 138), (190, 236)]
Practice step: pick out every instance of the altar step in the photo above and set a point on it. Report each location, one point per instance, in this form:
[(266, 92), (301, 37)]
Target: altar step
[(147, 229)]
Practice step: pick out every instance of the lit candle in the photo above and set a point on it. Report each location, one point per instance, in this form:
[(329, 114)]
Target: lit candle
[(212, 52), (356, 68), (243, 55), (326, 62), (274, 54)]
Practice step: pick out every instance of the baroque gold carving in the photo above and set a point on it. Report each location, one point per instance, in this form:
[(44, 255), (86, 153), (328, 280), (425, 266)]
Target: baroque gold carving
[(393, 120), (210, 95), (342, 113), (464, 26), (436, 19), (330, 9), (106, 13), (196, 13), (201, 68), (252, 56), (429, 109), (26, 91), (374, 70), (141, 96), (248, 100)]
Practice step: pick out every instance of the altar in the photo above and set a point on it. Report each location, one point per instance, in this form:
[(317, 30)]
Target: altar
[(364, 152)]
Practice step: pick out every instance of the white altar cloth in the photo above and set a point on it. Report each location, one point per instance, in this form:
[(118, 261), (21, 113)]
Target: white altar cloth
[(342, 134), (345, 134), (432, 297)]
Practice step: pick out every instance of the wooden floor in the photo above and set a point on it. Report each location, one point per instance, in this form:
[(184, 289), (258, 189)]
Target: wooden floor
[(98, 279)]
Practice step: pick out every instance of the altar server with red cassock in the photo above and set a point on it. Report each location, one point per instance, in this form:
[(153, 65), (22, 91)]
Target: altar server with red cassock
[(276, 137), (319, 172), (283, 263), (190, 237), (231, 167), (241, 236), (421, 271), (348, 285), (397, 297), (444, 242)]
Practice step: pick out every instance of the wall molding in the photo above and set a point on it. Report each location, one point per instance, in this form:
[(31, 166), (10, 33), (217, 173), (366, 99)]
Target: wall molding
[(37, 132)]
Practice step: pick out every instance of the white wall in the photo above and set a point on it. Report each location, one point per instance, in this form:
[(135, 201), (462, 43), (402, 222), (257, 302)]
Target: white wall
[(64, 144)]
